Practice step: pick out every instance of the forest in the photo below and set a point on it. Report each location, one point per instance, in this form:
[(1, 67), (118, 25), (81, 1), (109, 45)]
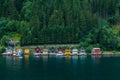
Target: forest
[(85, 22)]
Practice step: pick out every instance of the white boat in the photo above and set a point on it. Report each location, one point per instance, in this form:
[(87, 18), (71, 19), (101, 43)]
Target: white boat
[(59, 53), (19, 56), (8, 52), (36, 54), (82, 53), (52, 53), (14, 54)]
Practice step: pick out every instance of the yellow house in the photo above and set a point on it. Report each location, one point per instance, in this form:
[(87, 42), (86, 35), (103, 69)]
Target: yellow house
[(67, 52), (26, 51)]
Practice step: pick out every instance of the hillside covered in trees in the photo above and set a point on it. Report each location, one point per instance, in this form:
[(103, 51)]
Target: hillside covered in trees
[(85, 22)]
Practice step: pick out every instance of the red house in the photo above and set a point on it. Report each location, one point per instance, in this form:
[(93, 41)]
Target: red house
[(96, 51), (37, 50)]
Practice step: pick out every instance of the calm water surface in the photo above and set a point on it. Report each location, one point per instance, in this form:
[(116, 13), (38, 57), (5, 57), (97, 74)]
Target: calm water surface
[(60, 68)]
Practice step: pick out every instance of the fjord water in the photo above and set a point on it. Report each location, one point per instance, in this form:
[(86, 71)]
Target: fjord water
[(60, 68)]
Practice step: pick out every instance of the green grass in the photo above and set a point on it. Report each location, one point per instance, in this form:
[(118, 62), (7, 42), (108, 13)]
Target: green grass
[(16, 37)]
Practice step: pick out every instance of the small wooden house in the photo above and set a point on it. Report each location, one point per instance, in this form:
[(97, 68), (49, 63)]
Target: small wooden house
[(45, 51), (37, 50), (52, 50), (59, 50), (75, 51), (26, 51), (96, 51), (67, 52)]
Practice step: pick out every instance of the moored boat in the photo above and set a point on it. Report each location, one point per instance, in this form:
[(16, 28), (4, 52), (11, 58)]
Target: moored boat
[(8, 52)]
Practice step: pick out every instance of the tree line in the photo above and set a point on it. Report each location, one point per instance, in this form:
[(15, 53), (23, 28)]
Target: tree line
[(85, 22)]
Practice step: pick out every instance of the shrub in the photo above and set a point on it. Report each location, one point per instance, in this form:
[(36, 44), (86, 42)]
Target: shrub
[(89, 48), (2, 49)]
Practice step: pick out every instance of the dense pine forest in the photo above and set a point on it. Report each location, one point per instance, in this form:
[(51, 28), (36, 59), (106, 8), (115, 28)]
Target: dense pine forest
[(85, 22)]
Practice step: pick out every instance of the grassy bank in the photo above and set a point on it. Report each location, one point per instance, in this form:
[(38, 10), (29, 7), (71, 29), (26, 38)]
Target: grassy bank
[(111, 52), (48, 46)]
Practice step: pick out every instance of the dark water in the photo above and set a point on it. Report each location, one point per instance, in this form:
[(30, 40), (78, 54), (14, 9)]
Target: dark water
[(60, 68)]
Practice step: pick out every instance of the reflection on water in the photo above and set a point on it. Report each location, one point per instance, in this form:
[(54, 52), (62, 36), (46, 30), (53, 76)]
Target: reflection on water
[(45, 59), (96, 59), (44, 62), (74, 59), (82, 59), (74, 64), (36, 58), (60, 68), (68, 59), (59, 59), (26, 57), (13, 63)]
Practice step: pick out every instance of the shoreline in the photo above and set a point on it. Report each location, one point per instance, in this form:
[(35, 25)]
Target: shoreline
[(87, 54)]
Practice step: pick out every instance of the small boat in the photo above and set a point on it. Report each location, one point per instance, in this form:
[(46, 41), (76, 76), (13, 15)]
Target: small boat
[(75, 51), (19, 56), (14, 53), (60, 54), (8, 52), (36, 54)]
